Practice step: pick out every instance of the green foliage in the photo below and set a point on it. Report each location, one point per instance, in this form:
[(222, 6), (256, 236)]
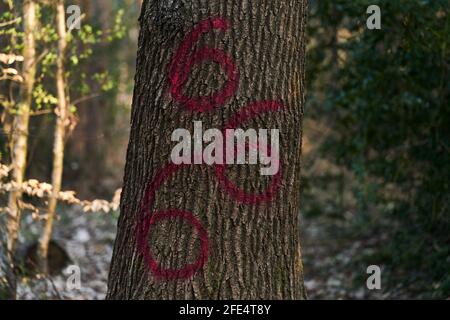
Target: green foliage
[(386, 94), (83, 45), (43, 98), (119, 30), (91, 64)]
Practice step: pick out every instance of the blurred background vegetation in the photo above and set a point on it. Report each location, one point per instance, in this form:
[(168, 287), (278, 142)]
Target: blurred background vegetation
[(376, 140), (377, 123)]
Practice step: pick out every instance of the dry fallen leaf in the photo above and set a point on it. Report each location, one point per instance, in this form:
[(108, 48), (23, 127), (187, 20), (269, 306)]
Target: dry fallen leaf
[(10, 58), (11, 71)]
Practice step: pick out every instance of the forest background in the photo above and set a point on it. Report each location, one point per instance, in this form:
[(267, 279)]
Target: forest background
[(376, 162)]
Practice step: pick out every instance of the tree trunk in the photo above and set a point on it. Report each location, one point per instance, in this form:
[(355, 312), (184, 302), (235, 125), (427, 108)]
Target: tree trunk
[(21, 122), (62, 118), (200, 231), (19, 139)]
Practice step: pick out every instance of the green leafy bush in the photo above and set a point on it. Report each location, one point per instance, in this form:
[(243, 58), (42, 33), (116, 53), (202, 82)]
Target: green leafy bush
[(385, 94)]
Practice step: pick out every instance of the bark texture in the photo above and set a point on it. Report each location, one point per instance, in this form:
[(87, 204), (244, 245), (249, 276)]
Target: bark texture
[(254, 250)]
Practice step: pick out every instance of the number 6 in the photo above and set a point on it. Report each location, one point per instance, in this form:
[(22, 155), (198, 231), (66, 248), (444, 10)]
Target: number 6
[(182, 63)]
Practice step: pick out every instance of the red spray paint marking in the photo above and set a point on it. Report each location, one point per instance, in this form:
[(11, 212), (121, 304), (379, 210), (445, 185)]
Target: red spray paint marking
[(246, 114), (148, 219), (188, 270), (179, 69), (182, 63)]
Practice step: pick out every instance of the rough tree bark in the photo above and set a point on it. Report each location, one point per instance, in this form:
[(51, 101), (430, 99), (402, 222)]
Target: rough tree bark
[(62, 121), (21, 122), (251, 247)]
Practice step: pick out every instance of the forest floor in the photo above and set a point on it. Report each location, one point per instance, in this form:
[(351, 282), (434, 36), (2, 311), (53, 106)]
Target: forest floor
[(88, 240), (335, 263), (332, 266)]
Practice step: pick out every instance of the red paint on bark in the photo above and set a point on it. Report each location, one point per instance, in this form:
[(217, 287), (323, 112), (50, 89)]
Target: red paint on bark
[(179, 69), (183, 62)]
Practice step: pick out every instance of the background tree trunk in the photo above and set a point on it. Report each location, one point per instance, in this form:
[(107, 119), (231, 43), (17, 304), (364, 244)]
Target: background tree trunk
[(21, 122), (254, 250), (19, 139), (62, 118)]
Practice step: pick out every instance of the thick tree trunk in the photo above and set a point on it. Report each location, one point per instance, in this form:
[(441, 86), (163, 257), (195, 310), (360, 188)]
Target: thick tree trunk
[(186, 232), (62, 118)]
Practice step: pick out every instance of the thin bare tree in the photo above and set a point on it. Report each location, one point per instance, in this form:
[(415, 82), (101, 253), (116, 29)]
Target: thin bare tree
[(62, 122), (21, 122), (19, 139)]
